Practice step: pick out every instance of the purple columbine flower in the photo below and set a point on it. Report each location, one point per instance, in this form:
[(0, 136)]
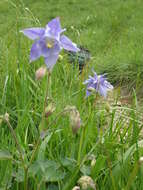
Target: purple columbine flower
[(97, 83), (48, 42)]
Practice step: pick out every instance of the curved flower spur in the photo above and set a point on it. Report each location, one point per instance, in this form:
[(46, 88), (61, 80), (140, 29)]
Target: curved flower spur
[(48, 42)]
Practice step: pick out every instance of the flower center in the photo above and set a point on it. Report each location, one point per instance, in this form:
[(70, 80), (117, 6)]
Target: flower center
[(50, 43)]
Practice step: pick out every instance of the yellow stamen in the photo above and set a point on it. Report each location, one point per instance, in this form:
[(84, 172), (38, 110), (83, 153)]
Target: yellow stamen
[(49, 45)]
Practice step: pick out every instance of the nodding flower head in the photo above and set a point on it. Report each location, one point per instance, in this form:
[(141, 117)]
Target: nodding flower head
[(87, 182), (40, 73), (74, 116), (97, 83), (48, 42)]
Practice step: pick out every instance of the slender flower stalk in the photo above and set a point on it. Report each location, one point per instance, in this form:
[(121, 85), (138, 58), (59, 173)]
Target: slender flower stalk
[(46, 95), (26, 179), (34, 151), (81, 145), (42, 119), (6, 119)]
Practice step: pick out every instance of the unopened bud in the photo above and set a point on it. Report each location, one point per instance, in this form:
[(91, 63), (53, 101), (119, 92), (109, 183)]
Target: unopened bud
[(72, 27), (93, 162), (141, 160), (74, 115), (107, 107), (6, 117), (86, 182), (60, 57), (40, 73), (91, 89), (76, 188), (75, 121), (49, 110)]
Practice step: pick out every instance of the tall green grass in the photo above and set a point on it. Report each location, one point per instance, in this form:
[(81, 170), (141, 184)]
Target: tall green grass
[(111, 132)]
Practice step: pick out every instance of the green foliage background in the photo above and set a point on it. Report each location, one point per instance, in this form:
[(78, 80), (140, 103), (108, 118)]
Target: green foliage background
[(112, 30)]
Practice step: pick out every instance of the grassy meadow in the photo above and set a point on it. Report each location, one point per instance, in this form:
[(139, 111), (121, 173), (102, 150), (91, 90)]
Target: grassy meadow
[(108, 147)]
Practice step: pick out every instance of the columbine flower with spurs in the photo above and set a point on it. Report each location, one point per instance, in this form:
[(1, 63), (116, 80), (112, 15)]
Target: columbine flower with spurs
[(97, 83), (48, 42)]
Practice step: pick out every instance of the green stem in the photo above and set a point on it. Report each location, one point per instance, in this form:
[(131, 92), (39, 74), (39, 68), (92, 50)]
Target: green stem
[(16, 141), (43, 118), (39, 185), (45, 100), (26, 179), (34, 152), (110, 171), (132, 176), (80, 146)]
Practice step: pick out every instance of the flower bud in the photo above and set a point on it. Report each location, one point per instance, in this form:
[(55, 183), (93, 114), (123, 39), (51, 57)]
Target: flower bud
[(76, 188), (6, 117), (49, 110), (60, 57), (72, 27), (40, 73), (141, 160), (91, 89), (107, 107), (86, 182), (75, 121), (74, 115), (93, 162)]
